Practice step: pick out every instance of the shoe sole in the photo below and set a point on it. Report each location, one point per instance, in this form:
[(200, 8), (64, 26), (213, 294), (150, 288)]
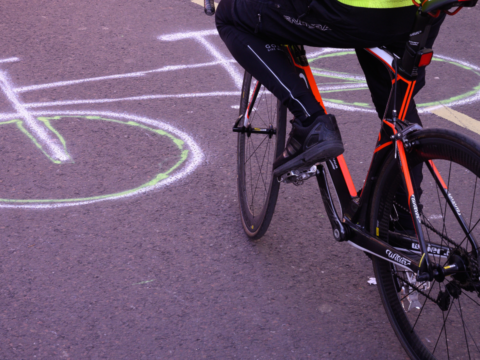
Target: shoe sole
[(314, 155)]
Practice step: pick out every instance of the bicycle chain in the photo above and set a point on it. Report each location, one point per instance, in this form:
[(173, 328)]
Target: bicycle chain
[(445, 237)]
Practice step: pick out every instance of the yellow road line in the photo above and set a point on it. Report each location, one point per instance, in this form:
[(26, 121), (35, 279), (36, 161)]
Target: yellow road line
[(457, 118)]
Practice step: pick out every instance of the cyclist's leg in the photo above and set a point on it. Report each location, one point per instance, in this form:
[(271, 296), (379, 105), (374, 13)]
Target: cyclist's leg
[(380, 84), (379, 81), (315, 136), (239, 24)]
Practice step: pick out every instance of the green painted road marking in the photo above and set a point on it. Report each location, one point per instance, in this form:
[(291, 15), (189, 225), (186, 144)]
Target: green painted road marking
[(144, 282), (352, 79), (183, 154)]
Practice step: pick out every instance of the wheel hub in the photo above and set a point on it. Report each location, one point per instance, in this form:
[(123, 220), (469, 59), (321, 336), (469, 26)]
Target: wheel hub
[(467, 277)]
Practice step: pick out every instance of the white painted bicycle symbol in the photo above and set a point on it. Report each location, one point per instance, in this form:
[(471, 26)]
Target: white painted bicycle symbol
[(42, 129)]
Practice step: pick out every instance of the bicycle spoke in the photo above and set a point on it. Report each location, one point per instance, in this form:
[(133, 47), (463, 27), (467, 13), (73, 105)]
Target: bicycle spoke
[(473, 201), (446, 202), (466, 236), (463, 293), (407, 295), (252, 207), (254, 183), (443, 329), (423, 305), (473, 339), (259, 152), (260, 175), (464, 326), (429, 240), (265, 138), (429, 225), (269, 110)]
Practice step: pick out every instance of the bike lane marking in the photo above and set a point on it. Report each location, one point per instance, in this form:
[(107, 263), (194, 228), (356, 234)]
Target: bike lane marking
[(44, 138), (118, 76), (160, 180), (356, 82), (132, 98), (11, 59), (457, 118), (200, 36), (227, 64)]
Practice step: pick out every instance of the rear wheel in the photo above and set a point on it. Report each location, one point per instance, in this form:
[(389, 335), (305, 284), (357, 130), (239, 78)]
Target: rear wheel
[(257, 187), (433, 320)]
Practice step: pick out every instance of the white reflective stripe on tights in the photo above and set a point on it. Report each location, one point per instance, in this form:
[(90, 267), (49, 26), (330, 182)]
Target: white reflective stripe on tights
[(276, 77)]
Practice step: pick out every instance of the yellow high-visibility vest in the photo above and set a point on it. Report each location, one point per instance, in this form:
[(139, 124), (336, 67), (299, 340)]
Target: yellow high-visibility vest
[(377, 4)]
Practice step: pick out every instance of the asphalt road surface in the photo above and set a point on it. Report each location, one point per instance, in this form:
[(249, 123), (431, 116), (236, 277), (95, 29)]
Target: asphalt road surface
[(120, 228)]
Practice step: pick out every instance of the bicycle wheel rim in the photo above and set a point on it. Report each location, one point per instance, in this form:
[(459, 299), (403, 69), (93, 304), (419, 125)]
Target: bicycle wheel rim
[(257, 187), (425, 324)]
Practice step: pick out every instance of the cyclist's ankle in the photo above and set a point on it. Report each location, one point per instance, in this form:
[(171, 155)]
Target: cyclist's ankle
[(309, 120)]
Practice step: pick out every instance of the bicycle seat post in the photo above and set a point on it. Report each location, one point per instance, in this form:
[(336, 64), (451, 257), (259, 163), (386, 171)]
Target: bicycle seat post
[(415, 54)]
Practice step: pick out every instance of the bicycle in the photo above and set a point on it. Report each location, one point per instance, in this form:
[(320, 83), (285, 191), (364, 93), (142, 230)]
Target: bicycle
[(428, 278)]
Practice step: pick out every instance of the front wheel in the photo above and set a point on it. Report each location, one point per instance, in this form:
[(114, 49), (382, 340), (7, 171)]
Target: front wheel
[(433, 320), (257, 187)]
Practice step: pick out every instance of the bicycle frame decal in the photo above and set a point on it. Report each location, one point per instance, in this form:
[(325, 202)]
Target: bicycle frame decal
[(379, 248)]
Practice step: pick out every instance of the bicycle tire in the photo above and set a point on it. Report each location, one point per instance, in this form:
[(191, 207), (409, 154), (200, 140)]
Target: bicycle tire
[(256, 185), (426, 327)]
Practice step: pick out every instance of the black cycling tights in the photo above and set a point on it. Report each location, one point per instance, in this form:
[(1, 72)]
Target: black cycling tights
[(254, 29)]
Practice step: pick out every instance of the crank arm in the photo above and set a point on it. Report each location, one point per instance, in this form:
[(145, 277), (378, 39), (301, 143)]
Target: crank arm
[(337, 226)]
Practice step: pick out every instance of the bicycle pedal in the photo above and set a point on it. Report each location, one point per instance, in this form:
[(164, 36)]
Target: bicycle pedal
[(298, 177)]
